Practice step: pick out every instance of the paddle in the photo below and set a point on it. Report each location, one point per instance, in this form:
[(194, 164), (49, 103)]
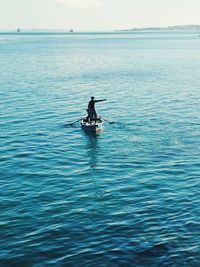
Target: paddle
[(110, 122), (72, 123)]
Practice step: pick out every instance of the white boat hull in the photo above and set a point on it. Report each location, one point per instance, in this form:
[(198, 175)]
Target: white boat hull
[(91, 126)]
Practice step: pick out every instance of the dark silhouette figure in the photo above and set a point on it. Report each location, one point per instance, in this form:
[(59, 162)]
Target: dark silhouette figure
[(92, 114)]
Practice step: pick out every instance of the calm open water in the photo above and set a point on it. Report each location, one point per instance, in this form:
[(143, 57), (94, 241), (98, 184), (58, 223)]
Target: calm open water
[(129, 196)]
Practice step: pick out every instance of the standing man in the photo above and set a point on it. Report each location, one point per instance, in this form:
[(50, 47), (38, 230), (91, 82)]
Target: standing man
[(91, 108)]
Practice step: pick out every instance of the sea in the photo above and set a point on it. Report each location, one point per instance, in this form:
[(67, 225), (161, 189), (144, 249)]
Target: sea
[(128, 196)]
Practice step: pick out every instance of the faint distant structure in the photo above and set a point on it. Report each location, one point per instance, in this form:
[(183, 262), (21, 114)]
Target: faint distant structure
[(18, 30), (71, 30)]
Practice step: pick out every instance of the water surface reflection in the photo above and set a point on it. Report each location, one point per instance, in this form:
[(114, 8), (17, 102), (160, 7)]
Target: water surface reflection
[(92, 148)]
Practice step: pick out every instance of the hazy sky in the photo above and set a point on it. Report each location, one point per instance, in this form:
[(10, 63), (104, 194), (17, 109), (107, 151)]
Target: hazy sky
[(97, 14)]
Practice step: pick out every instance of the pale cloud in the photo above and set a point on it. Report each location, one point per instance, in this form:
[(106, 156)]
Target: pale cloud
[(81, 3)]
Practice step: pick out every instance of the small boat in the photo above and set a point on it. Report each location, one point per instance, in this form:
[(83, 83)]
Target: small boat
[(92, 126)]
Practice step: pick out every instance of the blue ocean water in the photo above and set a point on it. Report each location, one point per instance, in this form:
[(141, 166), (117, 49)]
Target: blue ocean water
[(128, 196)]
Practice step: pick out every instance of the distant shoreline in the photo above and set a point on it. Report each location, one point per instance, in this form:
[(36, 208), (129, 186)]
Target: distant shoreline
[(171, 28), (135, 29)]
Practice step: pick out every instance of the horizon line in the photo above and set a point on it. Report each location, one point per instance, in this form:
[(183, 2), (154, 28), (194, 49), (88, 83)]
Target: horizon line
[(71, 30)]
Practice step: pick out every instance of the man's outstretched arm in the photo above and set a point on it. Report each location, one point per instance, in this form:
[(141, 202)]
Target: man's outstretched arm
[(100, 100)]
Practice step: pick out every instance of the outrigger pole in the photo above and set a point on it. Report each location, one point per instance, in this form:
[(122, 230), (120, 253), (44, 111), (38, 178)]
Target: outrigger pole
[(72, 123), (110, 122)]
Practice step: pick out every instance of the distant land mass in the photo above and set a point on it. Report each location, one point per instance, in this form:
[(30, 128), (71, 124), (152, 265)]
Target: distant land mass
[(170, 28), (174, 28)]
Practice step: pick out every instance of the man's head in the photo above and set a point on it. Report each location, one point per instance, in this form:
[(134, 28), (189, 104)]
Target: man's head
[(92, 97)]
